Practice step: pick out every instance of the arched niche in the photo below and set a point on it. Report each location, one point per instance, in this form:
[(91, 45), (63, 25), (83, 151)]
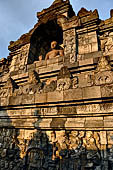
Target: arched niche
[(41, 39)]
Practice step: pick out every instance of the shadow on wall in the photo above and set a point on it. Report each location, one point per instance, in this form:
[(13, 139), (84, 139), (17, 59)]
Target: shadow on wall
[(52, 150), (9, 150)]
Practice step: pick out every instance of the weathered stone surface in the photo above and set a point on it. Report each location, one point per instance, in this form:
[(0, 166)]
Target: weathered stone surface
[(55, 96), (56, 103), (73, 94), (91, 92)]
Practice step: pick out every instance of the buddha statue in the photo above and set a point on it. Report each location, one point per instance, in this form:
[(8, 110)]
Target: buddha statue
[(54, 51)]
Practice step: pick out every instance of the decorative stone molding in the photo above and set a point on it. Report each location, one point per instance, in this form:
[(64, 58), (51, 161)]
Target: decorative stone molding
[(63, 84), (103, 65), (104, 78)]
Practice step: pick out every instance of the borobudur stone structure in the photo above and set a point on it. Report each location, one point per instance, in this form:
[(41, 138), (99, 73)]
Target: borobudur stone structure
[(56, 93)]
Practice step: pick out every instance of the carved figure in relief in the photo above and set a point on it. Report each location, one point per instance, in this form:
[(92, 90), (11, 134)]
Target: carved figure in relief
[(54, 51), (73, 140), (89, 141), (91, 144), (103, 65), (109, 44)]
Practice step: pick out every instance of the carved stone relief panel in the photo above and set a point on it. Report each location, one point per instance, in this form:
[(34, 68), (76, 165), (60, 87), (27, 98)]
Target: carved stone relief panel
[(86, 79), (63, 84), (8, 88), (70, 45), (63, 79), (87, 43), (104, 78), (50, 87), (107, 43), (103, 73), (107, 91), (20, 59), (89, 108)]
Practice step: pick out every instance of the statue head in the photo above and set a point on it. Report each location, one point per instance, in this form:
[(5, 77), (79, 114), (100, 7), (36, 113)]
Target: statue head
[(53, 44)]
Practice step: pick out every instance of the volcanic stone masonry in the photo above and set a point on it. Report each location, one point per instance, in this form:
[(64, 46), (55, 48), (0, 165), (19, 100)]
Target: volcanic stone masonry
[(56, 93)]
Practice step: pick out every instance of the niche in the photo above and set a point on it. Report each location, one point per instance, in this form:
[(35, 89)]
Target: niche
[(41, 40)]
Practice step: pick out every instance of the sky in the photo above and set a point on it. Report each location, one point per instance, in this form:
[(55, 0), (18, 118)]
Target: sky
[(19, 16)]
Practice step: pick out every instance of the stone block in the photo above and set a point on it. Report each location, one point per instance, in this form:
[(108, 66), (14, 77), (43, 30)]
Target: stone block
[(107, 91), (60, 59), (3, 101), (110, 137), (72, 94), (45, 69), (31, 66), (58, 122), (67, 110), (103, 137), (93, 118), (94, 47), (86, 62), (52, 61), (55, 96), (94, 124), (49, 111), (28, 99), (75, 123), (44, 123), (108, 118), (108, 124), (91, 92), (42, 63), (15, 100), (23, 75), (41, 98), (81, 49)]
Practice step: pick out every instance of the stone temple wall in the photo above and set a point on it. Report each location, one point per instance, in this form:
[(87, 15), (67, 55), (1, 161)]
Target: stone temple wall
[(57, 113)]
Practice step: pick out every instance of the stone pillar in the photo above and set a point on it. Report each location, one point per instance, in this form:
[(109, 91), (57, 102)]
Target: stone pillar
[(70, 45)]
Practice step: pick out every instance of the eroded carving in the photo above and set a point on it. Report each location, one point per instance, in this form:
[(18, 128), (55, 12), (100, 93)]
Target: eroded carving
[(50, 87), (63, 84), (75, 82), (54, 51), (103, 65), (103, 72)]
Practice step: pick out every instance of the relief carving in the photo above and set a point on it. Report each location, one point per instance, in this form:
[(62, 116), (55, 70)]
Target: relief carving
[(107, 42), (9, 88), (50, 87), (89, 108), (32, 86), (103, 65), (33, 78), (64, 79), (89, 79), (104, 78), (103, 74), (63, 84)]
